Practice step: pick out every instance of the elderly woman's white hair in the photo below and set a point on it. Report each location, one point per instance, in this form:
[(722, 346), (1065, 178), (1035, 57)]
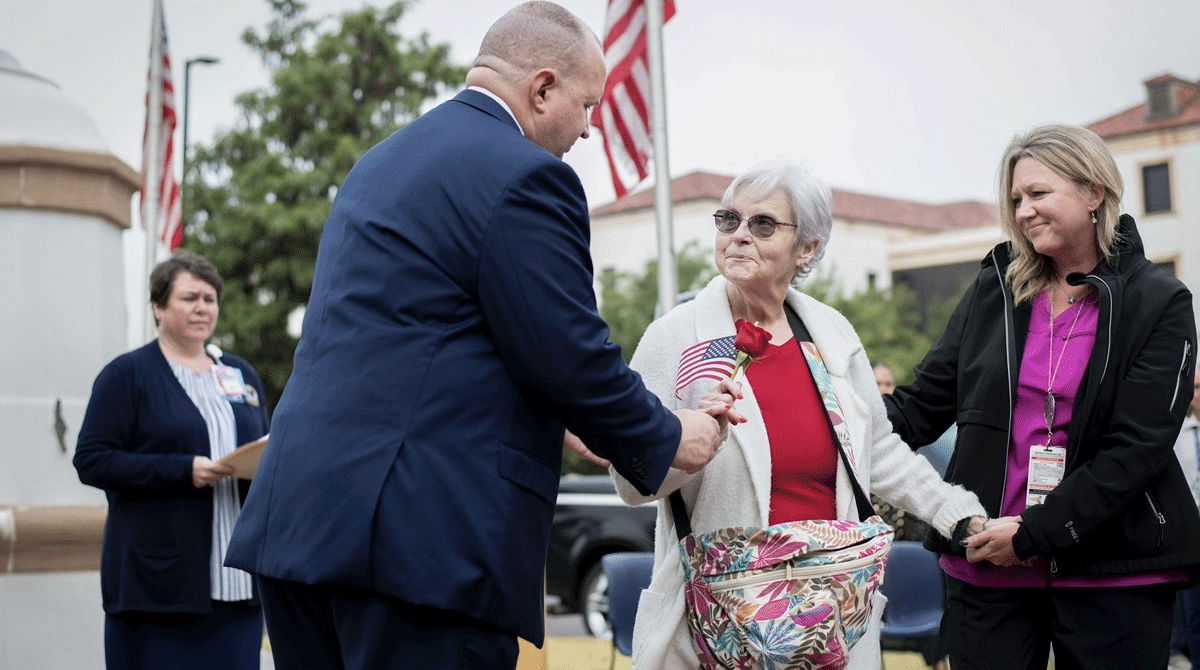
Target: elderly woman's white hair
[(809, 197)]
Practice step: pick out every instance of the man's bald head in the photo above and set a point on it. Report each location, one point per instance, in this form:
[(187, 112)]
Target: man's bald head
[(548, 68), (534, 35)]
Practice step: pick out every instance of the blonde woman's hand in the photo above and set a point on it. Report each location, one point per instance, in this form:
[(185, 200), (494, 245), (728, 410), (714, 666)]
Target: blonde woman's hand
[(994, 543), (978, 524)]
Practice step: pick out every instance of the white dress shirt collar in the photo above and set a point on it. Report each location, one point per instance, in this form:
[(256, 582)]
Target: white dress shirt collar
[(503, 104)]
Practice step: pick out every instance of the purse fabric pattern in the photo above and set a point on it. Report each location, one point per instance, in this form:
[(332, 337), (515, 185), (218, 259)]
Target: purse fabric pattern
[(793, 596)]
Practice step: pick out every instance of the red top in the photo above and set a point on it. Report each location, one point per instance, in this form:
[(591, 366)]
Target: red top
[(803, 454)]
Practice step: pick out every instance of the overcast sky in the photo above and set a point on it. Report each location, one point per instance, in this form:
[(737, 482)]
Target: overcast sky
[(899, 98)]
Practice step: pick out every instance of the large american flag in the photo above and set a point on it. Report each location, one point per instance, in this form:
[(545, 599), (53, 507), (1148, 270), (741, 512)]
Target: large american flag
[(166, 219), (623, 115), (711, 359)]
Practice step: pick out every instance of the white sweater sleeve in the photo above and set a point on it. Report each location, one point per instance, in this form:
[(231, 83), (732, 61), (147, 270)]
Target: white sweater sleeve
[(907, 480)]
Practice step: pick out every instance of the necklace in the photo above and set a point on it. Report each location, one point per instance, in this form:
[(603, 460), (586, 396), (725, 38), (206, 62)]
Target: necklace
[(1052, 372)]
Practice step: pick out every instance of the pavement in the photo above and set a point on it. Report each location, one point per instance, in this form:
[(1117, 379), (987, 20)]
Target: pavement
[(568, 647), (561, 630)]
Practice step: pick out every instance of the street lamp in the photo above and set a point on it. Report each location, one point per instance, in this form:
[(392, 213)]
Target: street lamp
[(187, 75)]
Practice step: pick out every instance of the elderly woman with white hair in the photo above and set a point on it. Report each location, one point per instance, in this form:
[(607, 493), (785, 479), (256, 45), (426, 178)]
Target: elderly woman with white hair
[(780, 459)]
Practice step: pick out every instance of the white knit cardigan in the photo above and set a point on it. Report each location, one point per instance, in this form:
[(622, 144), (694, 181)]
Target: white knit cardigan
[(735, 488)]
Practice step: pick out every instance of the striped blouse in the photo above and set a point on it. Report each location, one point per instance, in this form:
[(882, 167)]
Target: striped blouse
[(228, 584)]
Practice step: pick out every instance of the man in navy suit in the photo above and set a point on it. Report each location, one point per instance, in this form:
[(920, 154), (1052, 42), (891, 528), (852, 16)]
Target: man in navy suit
[(401, 511)]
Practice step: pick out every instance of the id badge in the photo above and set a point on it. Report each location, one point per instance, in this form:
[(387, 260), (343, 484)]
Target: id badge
[(232, 384), (1047, 465)]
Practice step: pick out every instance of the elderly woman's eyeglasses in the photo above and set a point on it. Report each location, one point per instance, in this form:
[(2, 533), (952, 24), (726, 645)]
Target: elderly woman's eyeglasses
[(760, 225)]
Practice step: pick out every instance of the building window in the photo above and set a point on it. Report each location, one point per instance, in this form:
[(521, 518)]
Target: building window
[(1156, 188), (1161, 96)]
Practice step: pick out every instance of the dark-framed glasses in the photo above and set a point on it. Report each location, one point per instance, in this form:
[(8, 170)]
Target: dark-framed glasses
[(760, 225)]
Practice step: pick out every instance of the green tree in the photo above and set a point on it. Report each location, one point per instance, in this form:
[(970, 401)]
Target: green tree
[(628, 300), (261, 192), (895, 327)]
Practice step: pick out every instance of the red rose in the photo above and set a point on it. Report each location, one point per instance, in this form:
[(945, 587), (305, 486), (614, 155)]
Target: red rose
[(751, 339), (751, 342)]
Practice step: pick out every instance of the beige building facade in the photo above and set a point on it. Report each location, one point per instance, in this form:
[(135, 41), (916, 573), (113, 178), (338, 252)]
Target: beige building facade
[(1156, 144), (871, 236), (65, 201), (936, 248)]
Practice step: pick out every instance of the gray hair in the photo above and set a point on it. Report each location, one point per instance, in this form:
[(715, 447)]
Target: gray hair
[(809, 197)]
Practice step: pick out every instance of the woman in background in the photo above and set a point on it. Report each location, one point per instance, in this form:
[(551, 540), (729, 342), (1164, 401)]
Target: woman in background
[(159, 419)]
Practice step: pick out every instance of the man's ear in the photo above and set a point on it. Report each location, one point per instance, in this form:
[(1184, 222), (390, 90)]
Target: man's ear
[(542, 82)]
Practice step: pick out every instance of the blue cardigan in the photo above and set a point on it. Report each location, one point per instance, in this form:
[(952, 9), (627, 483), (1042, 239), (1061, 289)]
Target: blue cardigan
[(137, 441)]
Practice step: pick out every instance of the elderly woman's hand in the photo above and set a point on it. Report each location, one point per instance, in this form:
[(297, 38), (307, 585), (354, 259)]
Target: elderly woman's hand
[(206, 472), (573, 444), (718, 403)]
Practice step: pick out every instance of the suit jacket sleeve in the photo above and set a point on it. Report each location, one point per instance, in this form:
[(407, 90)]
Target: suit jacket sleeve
[(535, 287), (656, 358)]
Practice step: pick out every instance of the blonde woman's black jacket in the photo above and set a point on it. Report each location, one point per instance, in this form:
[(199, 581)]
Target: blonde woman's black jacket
[(1123, 505)]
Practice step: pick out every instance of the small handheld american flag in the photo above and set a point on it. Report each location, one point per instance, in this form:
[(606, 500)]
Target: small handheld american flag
[(711, 359)]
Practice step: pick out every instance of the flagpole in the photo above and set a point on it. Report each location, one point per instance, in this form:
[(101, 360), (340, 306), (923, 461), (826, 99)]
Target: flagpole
[(667, 281), (151, 167)]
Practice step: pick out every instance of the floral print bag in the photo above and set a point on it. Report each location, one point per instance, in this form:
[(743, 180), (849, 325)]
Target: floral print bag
[(790, 596), (794, 595)]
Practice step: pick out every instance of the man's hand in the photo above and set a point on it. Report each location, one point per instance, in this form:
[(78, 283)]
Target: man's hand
[(205, 472), (698, 440), (573, 444)]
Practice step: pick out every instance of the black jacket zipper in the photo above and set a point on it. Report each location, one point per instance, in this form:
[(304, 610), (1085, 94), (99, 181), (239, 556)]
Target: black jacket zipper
[(1162, 519)]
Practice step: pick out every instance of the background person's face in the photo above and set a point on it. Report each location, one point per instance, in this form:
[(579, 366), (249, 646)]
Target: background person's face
[(885, 379), (191, 311)]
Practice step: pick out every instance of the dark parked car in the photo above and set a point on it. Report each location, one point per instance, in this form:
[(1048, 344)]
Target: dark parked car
[(590, 521)]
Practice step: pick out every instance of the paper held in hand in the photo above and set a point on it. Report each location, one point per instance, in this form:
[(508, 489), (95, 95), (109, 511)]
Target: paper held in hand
[(244, 459)]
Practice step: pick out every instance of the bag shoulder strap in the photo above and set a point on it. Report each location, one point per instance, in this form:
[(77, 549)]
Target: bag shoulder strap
[(683, 526), (821, 376)]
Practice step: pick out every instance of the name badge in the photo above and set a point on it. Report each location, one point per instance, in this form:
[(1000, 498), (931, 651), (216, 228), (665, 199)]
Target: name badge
[(1047, 465), (231, 383)]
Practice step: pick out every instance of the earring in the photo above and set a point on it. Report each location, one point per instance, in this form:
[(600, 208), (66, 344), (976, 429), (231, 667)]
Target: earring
[(1093, 218)]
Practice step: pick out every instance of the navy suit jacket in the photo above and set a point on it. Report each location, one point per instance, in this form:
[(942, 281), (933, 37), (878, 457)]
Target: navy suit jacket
[(137, 441), (451, 335)]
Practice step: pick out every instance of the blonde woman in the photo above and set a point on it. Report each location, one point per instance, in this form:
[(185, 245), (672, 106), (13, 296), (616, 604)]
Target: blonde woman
[(1067, 368)]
